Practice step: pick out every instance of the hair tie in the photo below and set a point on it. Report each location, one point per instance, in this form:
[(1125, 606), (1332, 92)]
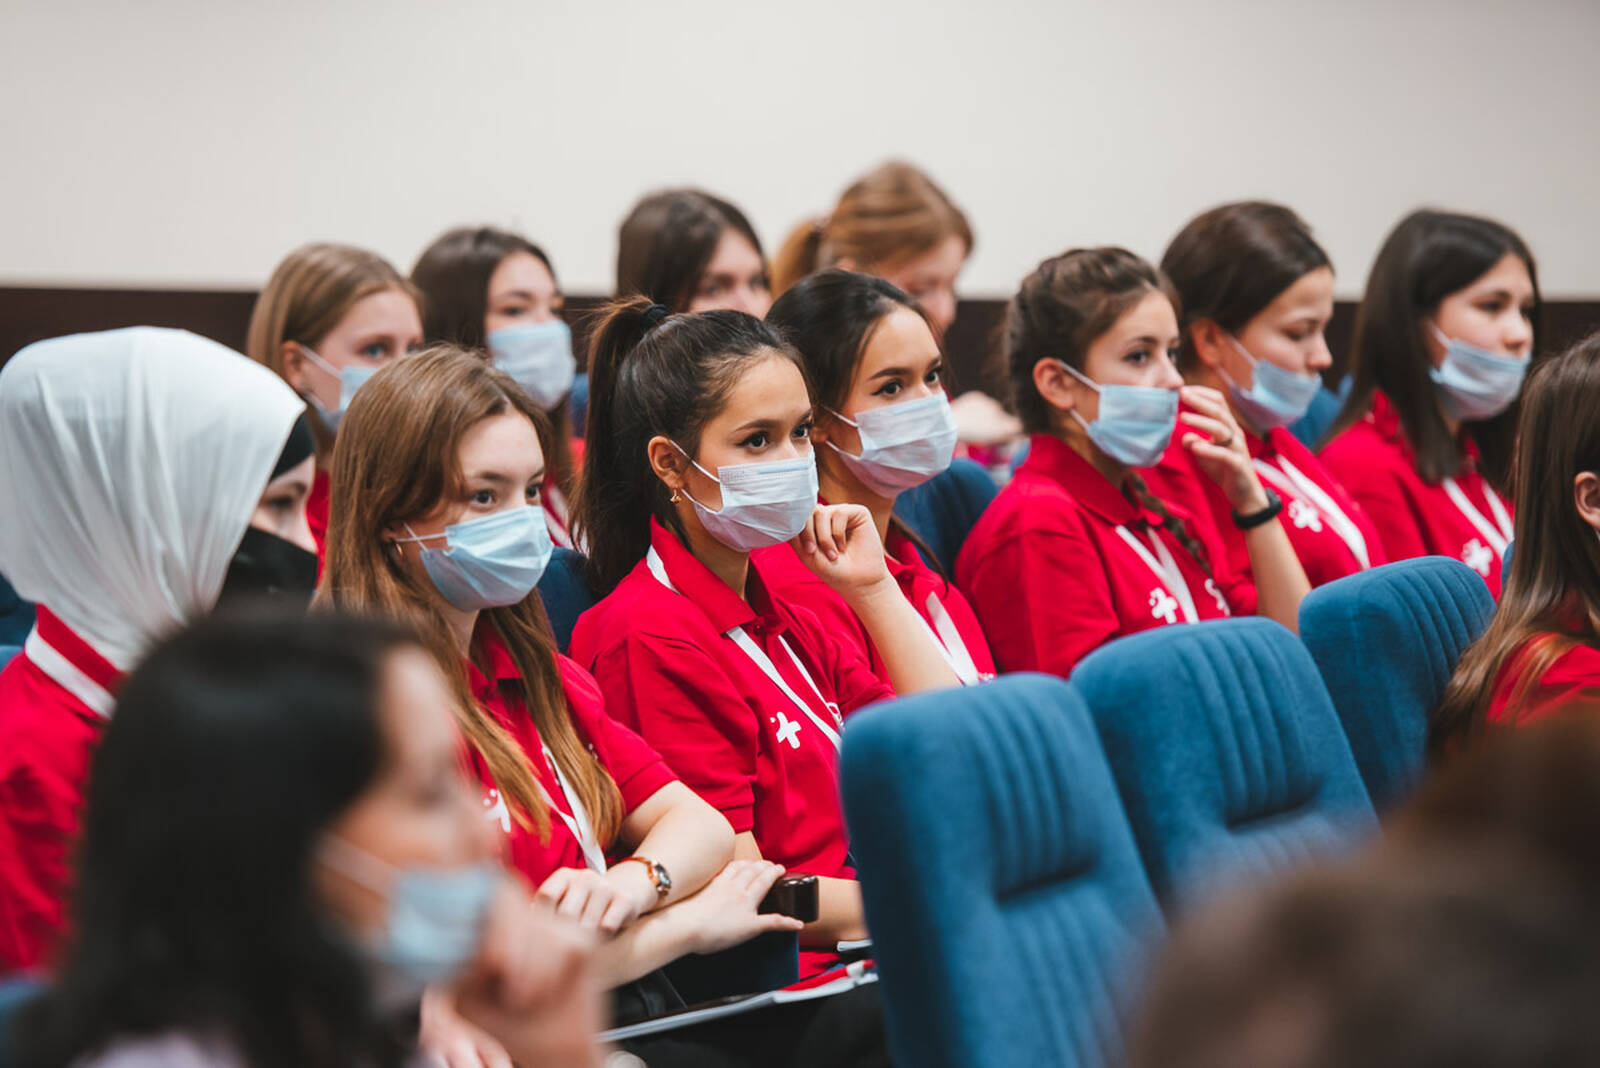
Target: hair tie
[(653, 315)]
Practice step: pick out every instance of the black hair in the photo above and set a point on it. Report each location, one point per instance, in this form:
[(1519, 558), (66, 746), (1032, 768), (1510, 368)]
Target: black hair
[(667, 241), (233, 745), (1427, 257), (650, 376)]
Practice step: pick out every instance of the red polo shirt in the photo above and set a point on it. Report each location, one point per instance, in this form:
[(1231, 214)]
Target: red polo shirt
[(47, 734), (317, 514), (632, 764), (1052, 575), (1330, 533), (1572, 676), (669, 664), (792, 582), (1461, 517)]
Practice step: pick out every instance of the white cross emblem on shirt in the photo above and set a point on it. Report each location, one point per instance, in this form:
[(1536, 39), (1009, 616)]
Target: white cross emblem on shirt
[(788, 731), (497, 811), (1163, 606), (1304, 517), (1478, 556)]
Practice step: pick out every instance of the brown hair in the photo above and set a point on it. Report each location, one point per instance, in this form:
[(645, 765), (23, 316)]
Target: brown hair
[(647, 377), (1229, 263), (1067, 302), (453, 276), (1428, 256), (396, 460), (667, 241), (308, 293), (891, 214), (1553, 585)]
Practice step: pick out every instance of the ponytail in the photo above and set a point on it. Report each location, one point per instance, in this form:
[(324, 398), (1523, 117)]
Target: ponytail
[(652, 374), (799, 255), (1171, 523)]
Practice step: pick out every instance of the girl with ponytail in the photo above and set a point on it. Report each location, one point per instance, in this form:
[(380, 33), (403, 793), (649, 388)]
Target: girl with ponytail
[(699, 452), (1076, 550), (884, 425)]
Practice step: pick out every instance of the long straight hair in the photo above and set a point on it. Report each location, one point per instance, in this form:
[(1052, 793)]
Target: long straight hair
[(649, 378), (667, 241), (308, 293), (452, 274), (1427, 257), (235, 745), (396, 459), (1553, 587), (830, 318)]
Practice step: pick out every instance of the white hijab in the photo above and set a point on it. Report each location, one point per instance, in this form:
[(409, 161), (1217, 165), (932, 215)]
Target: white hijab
[(130, 464)]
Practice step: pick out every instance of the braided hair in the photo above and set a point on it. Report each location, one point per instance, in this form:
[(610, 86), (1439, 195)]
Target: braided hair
[(1067, 302)]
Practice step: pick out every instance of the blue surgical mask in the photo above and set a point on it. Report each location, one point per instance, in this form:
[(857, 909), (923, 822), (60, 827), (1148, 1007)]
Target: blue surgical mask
[(762, 503), (1276, 397), (1475, 383), (902, 445), (351, 378), (490, 561), (1135, 423), (435, 918), (538, 356)]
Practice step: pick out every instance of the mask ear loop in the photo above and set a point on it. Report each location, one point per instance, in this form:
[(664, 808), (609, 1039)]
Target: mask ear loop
[(685, 490), (1086, 380)]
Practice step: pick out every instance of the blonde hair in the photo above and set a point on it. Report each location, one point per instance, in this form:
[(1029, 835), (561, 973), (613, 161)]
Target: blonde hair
[(395, 460), (891, 214), (308, 293)]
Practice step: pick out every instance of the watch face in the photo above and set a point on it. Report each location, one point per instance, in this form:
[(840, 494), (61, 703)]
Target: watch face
[(663, 880)]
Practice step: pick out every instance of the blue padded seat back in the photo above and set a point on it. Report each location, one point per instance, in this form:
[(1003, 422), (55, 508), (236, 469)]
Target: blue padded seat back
[(16, 615), (1310, 428), (943, 509), (1008, 908), (1226, 750), (1387, 642), (565, 593)]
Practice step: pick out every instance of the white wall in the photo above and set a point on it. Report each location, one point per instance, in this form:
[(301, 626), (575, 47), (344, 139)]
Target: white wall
[(193, 142)]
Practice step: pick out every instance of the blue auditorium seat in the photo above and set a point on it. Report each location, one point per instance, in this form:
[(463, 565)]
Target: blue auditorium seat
[(7, 652), (1008, 908), (1324, 409), (578, 403), (1226, 750), (565, 593), (1387, 642), (15, 993), (16, 615), (943, 509)]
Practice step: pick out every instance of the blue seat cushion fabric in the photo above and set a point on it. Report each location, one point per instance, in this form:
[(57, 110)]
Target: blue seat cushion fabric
[(1008, 908), (565, 592), (1311, 427), (1386, 642), (1226, 751), (943, 509), (16, 615)]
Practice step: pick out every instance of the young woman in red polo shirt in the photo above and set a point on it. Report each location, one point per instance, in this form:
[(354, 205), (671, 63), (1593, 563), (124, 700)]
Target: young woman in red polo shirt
[(699, 452), (436, 480), (1541, 652), (883, 426), (1442, 341), (328, 318), (1076, 551), (496, 292), (1256, 292), (141, 466)]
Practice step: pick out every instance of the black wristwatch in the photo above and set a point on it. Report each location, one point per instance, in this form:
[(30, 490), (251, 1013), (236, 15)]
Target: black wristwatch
[(1265, 515)]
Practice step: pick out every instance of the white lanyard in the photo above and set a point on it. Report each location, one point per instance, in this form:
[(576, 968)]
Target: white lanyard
[(578, 823), (1165, 569), (759, 657), (558, 515), (948, 639), (1497, 539), (70, 677), (1290, 480)]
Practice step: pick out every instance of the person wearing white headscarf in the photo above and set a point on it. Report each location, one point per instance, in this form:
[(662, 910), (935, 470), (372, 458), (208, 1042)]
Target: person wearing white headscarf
[(131, 463)]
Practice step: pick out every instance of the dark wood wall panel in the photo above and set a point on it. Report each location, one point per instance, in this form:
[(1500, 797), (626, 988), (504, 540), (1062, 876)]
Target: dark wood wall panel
[(29, 314)]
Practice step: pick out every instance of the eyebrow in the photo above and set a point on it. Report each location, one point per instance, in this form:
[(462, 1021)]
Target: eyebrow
[(891, 372), (516, 294), (494, 478)]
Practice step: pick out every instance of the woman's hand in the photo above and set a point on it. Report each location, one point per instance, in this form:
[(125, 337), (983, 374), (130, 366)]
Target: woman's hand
[(593, 901), (530, 986), (840, 545), (724, 914), (452, 1040), (1220, 449)]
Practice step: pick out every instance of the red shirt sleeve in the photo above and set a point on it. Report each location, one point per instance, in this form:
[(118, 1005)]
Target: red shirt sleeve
[(681, 703), (36, 828), (1042, 597), (637, 769)]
